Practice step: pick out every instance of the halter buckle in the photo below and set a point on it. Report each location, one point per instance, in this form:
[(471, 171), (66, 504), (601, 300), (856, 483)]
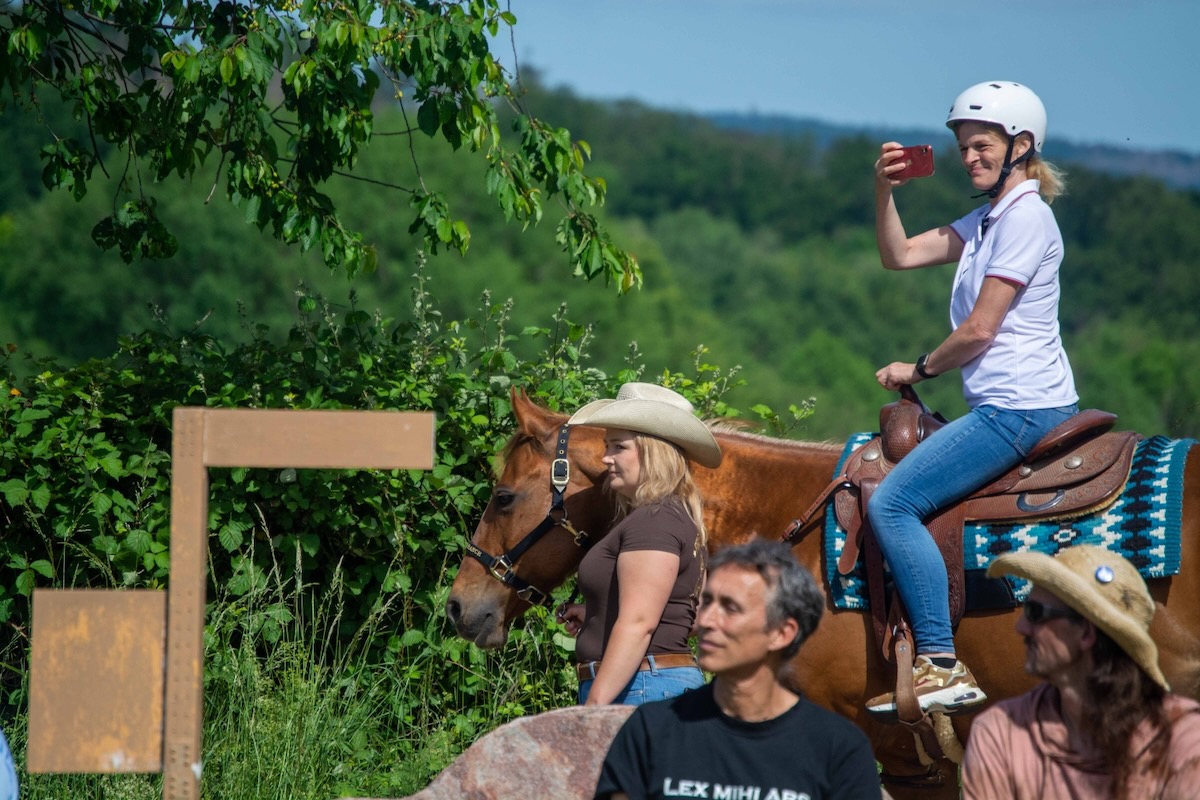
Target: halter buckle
[(579, 536), (560, 473), (527, 594), (501, 569)]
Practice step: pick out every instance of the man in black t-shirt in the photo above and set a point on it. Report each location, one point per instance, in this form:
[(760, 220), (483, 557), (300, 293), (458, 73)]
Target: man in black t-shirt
[(745, 736)]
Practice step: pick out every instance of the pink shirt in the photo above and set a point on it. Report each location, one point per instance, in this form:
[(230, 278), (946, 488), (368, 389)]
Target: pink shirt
[(1020, 750)]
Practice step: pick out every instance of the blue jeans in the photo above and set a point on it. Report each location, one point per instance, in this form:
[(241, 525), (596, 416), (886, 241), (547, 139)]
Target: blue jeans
[(956, 460), (652, 684), (8, 774)]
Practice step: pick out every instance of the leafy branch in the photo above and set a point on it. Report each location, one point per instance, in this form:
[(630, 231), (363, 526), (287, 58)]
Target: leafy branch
[(283, 91)]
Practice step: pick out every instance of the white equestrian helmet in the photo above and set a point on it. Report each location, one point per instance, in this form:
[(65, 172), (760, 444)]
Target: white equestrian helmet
[(1012, 106)]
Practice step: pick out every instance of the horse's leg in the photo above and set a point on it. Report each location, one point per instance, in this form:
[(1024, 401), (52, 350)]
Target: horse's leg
[(839, 667)]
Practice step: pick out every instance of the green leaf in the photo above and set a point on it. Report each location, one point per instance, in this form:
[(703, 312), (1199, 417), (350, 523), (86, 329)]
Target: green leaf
[(230, 536), (40, 496), (102, 503), (427, 118), (14, 491), (310, 543), (138, 541), (111, 464)]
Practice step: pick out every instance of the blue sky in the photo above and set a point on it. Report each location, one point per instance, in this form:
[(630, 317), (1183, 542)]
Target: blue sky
[(1119, 72)]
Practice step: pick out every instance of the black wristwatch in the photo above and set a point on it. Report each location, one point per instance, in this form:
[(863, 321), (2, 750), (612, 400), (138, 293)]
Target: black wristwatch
[(921, 361)]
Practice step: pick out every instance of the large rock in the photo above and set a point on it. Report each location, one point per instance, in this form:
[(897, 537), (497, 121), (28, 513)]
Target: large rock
[(552, 755)]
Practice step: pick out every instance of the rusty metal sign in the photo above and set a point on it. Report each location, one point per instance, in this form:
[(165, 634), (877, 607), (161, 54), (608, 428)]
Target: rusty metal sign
[(96, 682), (112, 689)]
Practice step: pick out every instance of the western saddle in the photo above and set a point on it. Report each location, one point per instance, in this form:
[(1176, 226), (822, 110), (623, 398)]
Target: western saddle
[(1079, 467)]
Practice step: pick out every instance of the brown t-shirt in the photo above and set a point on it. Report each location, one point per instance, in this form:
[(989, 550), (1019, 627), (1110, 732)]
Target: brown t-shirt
[(662, 525)]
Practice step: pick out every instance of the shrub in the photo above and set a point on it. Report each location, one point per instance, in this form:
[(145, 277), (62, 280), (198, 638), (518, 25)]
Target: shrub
[(326, 582)]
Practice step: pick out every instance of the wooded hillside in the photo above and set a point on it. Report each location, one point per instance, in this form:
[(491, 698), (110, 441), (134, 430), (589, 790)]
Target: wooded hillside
[(757, 247)]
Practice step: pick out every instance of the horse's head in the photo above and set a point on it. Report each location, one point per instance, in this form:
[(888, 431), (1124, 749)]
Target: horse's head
[(524, 546)]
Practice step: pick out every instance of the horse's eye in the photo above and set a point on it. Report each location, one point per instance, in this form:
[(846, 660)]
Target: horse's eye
[(503, 498)]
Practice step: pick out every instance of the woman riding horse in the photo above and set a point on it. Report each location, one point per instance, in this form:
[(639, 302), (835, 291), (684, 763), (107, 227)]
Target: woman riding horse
[(1005, 338)]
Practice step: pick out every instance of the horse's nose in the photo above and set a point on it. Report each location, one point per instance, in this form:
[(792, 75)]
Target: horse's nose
[(453, 611)]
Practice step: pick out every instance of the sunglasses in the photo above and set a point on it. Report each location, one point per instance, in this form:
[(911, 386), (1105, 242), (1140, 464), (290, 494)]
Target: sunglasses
[(1037, 613)]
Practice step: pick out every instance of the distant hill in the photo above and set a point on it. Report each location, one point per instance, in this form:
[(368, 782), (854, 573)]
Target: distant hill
[(1176, 169)]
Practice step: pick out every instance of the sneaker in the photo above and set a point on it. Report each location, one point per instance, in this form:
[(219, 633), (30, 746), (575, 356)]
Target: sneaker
[(949, 691)]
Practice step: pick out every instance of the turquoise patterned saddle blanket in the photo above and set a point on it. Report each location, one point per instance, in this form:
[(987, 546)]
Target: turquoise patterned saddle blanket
[(1142, 524)]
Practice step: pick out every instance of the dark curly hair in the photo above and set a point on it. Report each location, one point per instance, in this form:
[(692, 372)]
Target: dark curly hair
[(1123, 696)]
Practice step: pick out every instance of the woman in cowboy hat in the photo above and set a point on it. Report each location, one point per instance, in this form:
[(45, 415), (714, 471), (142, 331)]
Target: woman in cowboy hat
[(640, 583), (1103, 724)]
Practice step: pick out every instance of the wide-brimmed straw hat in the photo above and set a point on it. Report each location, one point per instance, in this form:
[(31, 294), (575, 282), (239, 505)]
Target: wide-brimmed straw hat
[(658, 411), (1101, 586)]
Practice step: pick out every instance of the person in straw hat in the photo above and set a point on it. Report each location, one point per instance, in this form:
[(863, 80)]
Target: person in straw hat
[(1104, 723), (640, 583)]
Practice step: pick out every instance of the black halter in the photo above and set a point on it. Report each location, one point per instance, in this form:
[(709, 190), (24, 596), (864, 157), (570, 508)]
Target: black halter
[(501, 567)]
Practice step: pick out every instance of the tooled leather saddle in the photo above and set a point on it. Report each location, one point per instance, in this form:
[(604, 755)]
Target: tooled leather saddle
[(1077, 468)]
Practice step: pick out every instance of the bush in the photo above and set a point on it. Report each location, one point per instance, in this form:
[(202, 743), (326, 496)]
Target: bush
[(328, 585)]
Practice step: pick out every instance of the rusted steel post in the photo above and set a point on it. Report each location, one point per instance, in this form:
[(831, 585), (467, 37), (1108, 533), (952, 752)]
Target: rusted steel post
[(182, 761)]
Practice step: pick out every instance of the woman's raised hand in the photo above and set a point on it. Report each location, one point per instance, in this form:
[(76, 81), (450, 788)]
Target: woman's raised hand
[(888, 163)]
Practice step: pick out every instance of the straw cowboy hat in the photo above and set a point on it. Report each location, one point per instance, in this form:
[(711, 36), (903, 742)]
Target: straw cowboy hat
[(658, 411), (1103, 587)]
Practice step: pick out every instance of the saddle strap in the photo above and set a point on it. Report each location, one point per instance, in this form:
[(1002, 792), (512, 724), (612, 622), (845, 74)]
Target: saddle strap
[(848, 560), (873, 556), (908, 708), (795, 526)]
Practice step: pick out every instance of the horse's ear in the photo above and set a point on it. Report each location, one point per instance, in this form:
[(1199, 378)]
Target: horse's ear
[(532, 419)]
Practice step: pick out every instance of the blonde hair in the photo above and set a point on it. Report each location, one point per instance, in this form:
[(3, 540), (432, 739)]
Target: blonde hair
[(1053, 180), (665, 472)]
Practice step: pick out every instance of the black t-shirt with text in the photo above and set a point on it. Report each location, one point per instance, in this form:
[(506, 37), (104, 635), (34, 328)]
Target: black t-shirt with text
[(686, 747)]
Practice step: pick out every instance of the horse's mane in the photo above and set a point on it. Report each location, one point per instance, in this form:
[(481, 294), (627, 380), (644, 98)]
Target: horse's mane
[(738, 428)]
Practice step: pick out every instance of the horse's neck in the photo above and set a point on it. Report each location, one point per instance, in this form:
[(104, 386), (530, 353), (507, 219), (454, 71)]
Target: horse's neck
[(762, 485)]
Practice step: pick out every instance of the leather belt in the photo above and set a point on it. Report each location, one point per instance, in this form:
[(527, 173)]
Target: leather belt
[(587, 671)]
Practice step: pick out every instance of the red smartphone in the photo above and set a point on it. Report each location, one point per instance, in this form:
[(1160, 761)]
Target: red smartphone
[(918, 160)]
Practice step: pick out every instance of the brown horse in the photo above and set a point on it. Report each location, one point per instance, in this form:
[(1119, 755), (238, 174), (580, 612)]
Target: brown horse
[(762, 484)]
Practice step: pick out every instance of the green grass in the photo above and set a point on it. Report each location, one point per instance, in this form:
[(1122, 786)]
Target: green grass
[(295, 709)]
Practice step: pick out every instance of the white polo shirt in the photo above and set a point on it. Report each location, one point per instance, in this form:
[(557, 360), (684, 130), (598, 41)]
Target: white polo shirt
[(1026, 366)]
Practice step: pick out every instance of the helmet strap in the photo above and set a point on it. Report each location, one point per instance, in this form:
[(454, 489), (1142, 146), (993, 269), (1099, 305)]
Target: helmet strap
[(1007, 169)]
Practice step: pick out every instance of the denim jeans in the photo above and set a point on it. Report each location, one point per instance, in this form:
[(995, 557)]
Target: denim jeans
[(652, 684), (8, 774), (956, 460)]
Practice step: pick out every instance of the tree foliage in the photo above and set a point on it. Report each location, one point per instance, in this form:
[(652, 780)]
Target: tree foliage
[(281, 96), (803, 307)]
